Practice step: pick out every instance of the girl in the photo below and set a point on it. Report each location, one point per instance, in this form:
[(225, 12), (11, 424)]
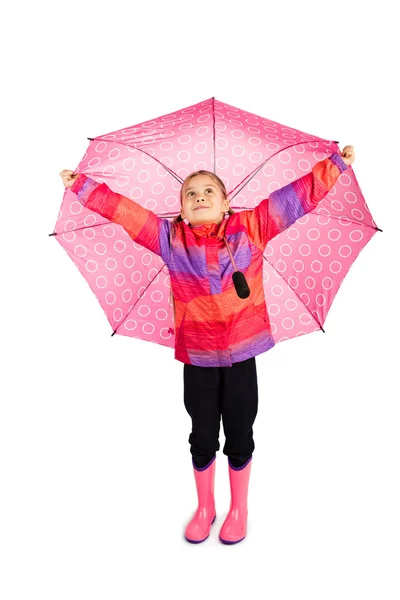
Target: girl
[(219, 326)]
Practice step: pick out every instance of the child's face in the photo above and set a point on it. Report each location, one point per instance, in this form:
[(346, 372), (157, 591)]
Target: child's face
[(202, 190)]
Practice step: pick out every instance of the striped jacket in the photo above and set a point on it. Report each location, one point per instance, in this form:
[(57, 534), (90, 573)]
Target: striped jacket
[(213, 326)]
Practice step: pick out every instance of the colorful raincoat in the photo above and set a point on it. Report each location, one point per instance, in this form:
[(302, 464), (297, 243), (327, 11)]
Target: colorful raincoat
[(213, 326)]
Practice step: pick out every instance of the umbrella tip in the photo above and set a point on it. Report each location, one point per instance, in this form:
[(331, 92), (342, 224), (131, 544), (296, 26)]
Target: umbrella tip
[(378, 229), (323, 329), (115, 331), (54, 233)]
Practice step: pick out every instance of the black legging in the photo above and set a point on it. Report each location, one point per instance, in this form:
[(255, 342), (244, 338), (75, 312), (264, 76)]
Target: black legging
[(230, 392)]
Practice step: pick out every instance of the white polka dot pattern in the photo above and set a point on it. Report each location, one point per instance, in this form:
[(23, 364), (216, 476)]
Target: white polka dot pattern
[(304, 266)]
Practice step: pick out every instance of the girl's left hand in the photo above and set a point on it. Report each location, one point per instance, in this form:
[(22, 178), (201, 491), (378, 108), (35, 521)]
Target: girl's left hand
[(348, 155)]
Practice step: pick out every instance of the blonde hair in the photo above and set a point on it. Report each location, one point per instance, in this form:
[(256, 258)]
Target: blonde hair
[(177, 219)]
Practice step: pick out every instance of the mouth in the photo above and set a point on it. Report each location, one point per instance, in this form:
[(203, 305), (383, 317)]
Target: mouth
[(201, 207)]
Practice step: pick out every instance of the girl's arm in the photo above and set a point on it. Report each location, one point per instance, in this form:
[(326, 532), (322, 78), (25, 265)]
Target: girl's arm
[(142, 225), (284, 206)]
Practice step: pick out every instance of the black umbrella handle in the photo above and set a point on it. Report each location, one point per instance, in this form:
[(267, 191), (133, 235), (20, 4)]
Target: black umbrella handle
[(239, 280), (240, 283)]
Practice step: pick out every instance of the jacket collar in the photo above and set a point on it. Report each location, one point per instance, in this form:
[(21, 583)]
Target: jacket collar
[(212, 230)]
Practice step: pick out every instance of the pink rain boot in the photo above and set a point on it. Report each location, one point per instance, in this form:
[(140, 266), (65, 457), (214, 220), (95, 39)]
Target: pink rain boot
[(235, 525), (199, 527)]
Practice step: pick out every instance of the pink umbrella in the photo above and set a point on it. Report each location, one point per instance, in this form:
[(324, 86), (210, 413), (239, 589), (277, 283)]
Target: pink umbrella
[(304, 265)]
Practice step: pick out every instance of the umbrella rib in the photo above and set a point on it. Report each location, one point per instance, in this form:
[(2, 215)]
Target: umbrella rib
[(343, 217), (213, 111), (106, 222), (257, 169), (140, 297), (144, 152), (280, 275)]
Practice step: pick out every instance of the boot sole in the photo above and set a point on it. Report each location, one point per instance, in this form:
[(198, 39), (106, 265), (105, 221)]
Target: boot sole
[(230, 543), (199, 541)]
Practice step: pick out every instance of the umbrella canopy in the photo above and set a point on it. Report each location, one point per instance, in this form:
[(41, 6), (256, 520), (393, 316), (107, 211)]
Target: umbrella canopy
[(304, 265)]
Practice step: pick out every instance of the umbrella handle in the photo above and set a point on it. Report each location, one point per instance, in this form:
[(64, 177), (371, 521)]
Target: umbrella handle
[(240, 283), (239, 280)]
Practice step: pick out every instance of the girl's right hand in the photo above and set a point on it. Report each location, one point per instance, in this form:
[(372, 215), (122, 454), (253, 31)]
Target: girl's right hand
[(68, 177)]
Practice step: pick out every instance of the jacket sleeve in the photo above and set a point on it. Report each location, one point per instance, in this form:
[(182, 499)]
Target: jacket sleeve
[(141, 224), (284, 206)]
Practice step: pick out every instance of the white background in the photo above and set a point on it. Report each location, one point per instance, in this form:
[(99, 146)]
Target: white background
[(96, 477)]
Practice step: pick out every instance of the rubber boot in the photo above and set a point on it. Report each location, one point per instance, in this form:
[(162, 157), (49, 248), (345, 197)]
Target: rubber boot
[(234, 528), (199, 527)]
